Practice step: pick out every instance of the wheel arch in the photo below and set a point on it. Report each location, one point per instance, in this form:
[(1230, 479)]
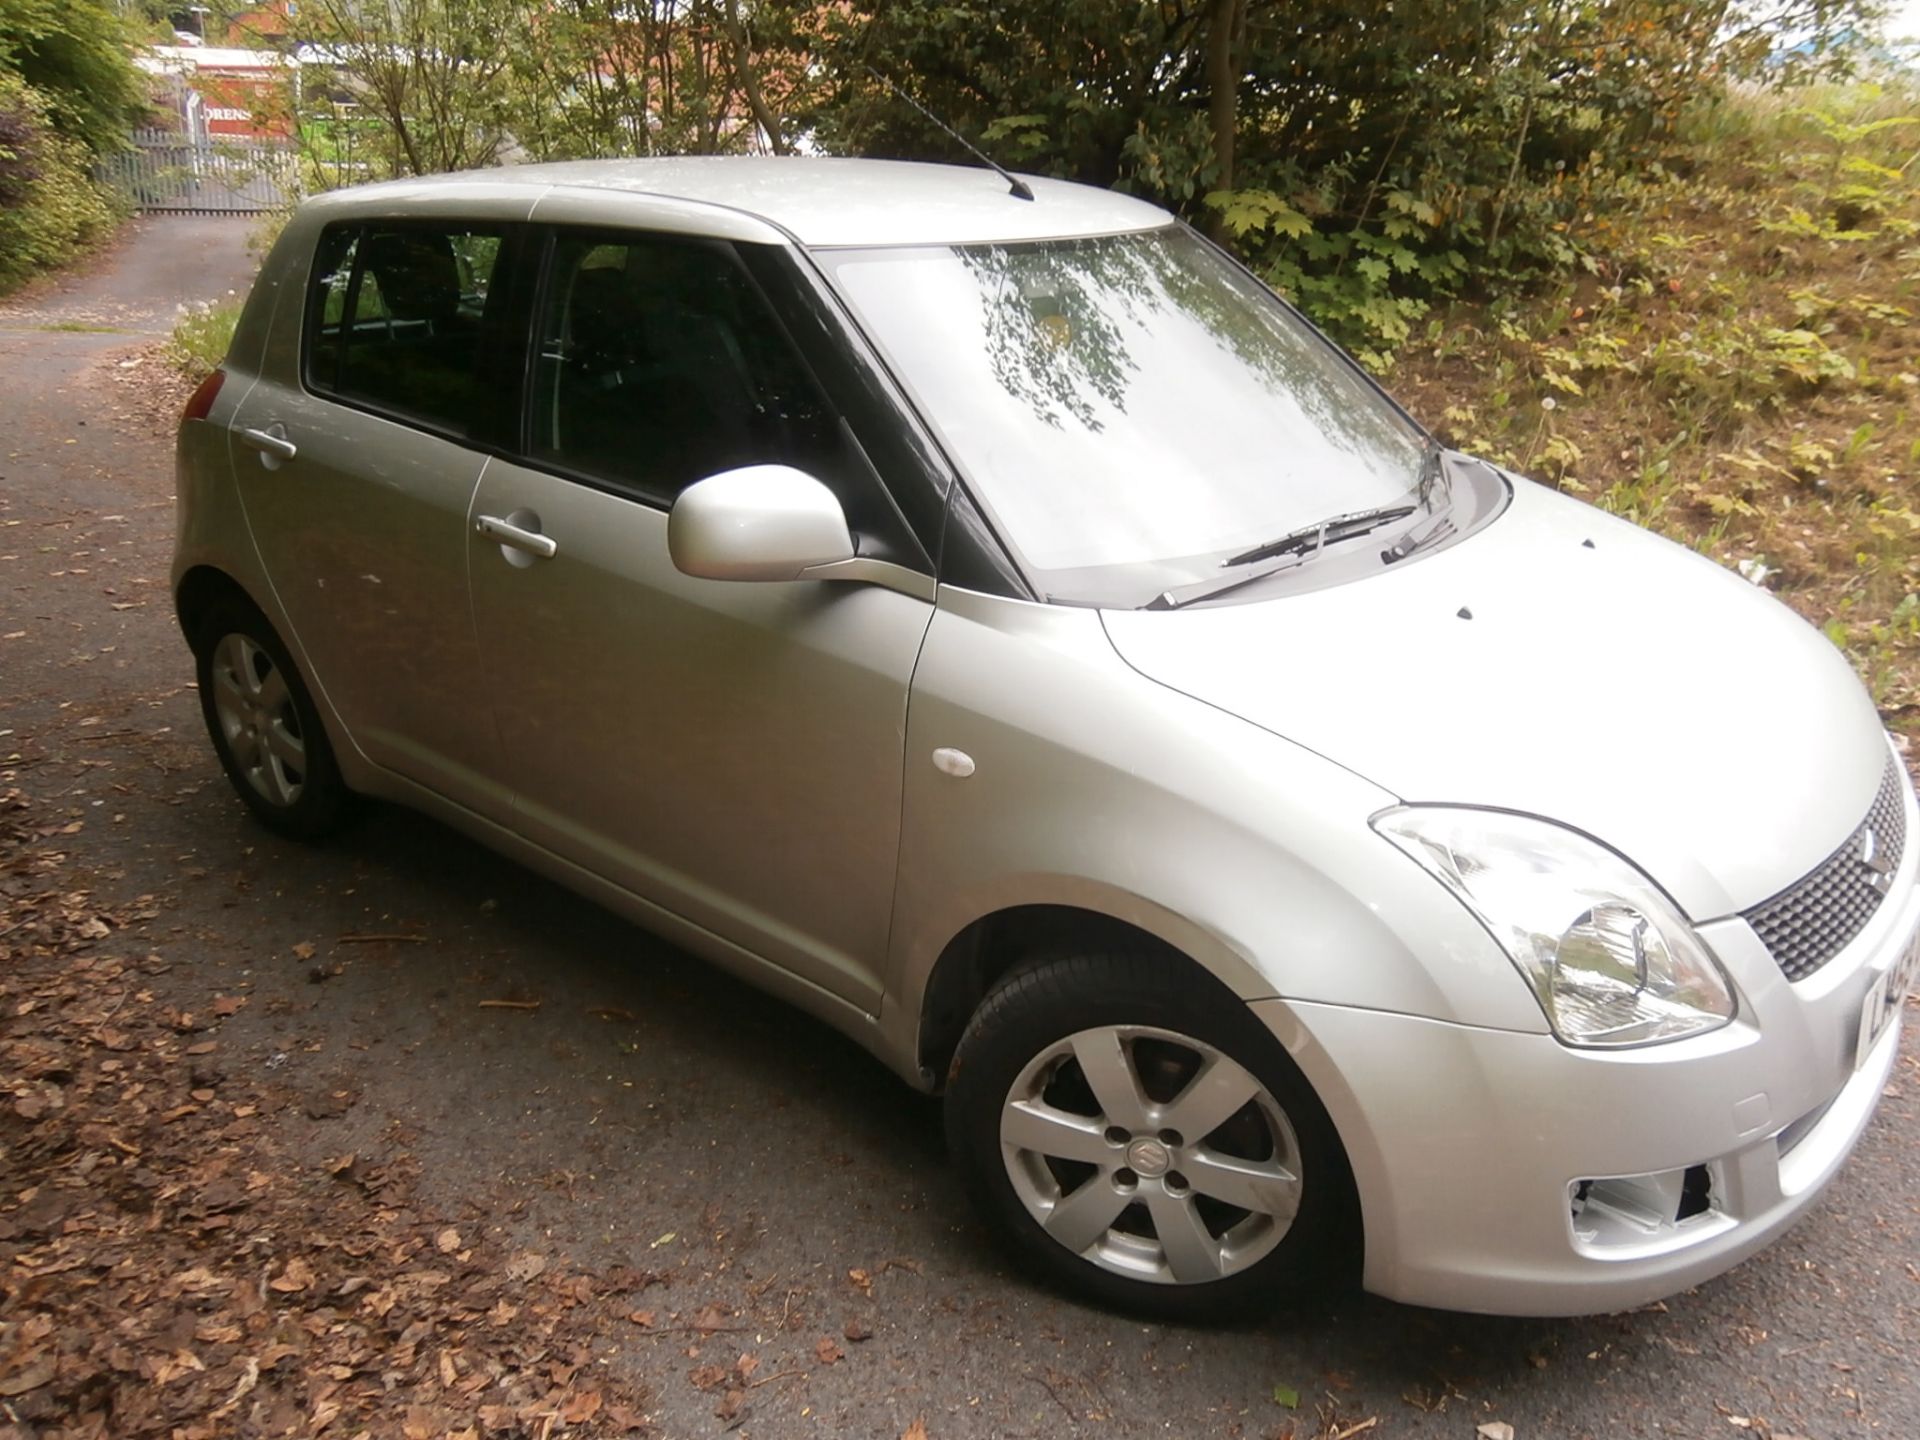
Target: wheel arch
[(993, 944), (199, 591)]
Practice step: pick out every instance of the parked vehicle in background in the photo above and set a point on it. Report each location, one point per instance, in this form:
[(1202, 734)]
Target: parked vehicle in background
[(1006, 630)]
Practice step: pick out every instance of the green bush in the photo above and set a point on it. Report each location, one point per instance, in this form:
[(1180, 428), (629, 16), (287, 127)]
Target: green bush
[(49, 208), (74, 55)]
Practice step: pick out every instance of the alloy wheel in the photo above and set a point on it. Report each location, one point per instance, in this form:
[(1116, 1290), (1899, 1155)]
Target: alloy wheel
[(1151, 1154), (258, 720)]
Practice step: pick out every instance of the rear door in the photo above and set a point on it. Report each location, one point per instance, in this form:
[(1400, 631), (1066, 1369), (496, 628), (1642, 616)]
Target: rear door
[(728, 750), (357, 475)]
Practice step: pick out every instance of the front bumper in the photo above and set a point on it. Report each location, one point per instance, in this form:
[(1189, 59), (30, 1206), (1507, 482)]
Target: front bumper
[(1468, 1145)]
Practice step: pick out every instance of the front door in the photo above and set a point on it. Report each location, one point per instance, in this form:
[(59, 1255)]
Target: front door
[(731, 751)]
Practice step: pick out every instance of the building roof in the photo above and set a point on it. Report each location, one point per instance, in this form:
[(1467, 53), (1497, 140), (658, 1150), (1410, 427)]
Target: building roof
[(207, 57), (826, 202)]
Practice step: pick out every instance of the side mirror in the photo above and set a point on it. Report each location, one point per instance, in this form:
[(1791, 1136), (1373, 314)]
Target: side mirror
[(760, 522)]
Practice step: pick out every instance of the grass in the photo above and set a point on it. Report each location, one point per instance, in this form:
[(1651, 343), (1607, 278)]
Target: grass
[(1737, 366)]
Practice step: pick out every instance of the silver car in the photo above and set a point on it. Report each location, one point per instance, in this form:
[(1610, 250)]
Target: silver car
[(1003, 628)]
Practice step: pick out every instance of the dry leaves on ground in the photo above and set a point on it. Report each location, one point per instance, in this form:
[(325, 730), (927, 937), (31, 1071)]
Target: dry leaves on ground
[(169, 1269)]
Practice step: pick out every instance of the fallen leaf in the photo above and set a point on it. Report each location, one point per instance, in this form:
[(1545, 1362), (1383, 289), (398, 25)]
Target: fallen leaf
[(862, 1281), (826, 1351), (581, 1408), (304, 950), (707, 1377), (447, 1241), (709, 1318), (31, 1378), (225, 1005), (1495, 1430), (525, 1266), (731, 1404), (857, 1332), (296, 1277), (916, 1431)]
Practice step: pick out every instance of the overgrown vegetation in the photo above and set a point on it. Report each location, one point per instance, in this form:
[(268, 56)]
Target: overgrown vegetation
[(68, 92), (1732, 360), (201, 335)]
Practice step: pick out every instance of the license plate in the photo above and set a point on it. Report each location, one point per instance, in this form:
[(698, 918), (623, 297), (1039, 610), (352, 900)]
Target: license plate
[(1889, 992)]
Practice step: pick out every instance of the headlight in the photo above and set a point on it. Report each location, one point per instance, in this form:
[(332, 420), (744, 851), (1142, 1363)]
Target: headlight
[(1610, 959)]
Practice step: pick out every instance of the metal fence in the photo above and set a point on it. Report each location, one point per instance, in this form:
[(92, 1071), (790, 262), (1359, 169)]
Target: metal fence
[(167, 172)]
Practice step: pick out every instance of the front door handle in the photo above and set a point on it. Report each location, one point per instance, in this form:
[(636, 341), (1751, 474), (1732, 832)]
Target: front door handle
[(528, 542), (272, 441)]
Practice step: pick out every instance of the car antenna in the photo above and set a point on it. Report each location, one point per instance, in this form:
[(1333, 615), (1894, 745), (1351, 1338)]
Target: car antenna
[(1015, 185)]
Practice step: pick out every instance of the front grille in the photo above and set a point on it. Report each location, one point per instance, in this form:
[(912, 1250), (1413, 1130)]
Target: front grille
[(1809, 923)]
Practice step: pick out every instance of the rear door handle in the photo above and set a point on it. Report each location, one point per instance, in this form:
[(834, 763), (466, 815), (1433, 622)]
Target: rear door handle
[(271, 442), (530, 542)]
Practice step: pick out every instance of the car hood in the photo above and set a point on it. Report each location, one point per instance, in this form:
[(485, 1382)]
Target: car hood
[(1569, 665)]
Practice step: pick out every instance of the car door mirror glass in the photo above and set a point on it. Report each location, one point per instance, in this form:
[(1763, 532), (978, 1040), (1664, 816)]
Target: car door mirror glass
[(759, 522)]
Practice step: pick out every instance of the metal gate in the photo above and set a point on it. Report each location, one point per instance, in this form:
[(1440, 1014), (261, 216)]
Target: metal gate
[(168, 172)]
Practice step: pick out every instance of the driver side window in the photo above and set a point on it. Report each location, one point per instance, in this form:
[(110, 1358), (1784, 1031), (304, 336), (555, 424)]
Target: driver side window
[(658, 366), (659, 363)]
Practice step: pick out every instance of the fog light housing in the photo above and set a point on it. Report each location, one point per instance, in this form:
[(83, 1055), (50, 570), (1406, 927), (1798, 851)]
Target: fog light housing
[(1623, 1215)]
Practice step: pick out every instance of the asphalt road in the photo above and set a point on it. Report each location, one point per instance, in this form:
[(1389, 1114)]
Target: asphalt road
[(654, 1113)]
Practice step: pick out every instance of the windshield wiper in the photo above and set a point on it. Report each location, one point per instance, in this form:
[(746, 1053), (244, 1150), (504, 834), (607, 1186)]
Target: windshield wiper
[(1311, 539), (1293, 550)]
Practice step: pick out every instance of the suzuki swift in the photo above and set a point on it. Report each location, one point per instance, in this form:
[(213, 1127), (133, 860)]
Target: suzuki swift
[(995, 622)]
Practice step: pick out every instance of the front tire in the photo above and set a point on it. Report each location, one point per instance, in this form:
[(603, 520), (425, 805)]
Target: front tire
[(264, 725), (1135, 1133)]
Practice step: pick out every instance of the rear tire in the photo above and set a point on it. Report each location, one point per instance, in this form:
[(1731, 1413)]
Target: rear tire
[(264, 725), (1135, 1134)]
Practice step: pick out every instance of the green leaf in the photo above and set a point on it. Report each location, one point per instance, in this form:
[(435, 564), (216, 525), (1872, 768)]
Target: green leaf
[(1286, 1395), (1257, 210), (1012, 124)]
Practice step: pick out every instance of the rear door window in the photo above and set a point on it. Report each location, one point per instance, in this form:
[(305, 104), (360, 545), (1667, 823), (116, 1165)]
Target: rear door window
[(405, 318)]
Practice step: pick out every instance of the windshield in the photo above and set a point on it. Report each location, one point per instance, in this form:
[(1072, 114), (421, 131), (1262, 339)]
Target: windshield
[(1131, 409)]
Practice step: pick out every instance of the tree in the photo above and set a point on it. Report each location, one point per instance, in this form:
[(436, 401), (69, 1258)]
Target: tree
[(431, 73), (616, 77), (1363, 153), (454, 84), (76, 57)]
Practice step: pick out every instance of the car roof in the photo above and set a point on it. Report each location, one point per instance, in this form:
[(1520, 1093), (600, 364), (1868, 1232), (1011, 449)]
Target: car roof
[(818, 201)]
